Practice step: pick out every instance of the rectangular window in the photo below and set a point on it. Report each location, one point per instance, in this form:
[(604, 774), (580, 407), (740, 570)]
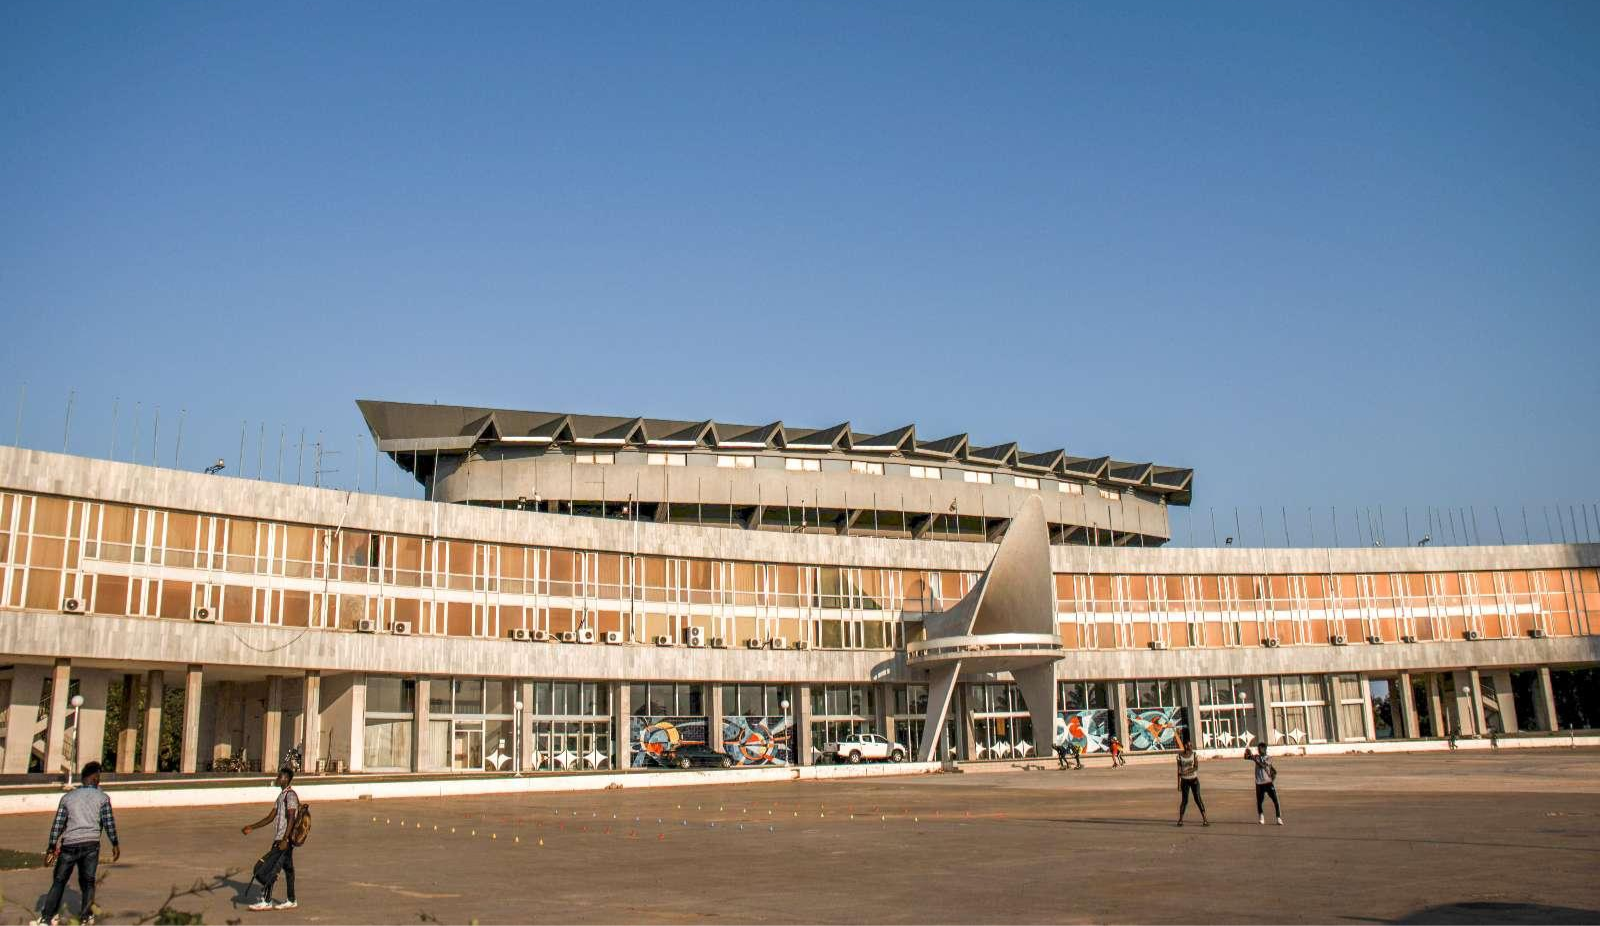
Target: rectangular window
[(926, 472), (597, 458), (866, 468), (981, 478), (803, 466), (1025, 482), (1069, 488), (739, 461), (667, 459)]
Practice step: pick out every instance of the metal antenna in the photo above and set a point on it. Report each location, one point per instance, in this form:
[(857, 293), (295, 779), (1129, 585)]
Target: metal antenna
[(177, 451), (66, 427)]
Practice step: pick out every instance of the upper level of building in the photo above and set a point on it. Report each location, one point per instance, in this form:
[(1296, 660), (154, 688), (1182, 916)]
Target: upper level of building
[(771, 477)]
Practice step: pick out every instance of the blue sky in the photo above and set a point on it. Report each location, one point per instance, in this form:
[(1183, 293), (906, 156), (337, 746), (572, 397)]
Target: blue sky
[(1327, 255)]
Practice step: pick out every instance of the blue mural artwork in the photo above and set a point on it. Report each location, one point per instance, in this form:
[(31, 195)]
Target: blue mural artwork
[(758, 740), (1155, 728), (1090, 729), (652, 736)]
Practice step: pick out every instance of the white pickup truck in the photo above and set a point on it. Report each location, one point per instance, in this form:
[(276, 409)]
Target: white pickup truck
[(858, 747)]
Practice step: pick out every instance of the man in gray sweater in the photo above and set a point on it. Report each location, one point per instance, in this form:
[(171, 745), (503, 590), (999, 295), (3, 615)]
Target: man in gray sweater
[(75, 843)]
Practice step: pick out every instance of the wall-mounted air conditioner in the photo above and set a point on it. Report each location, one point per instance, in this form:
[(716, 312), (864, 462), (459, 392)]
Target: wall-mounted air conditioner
[(719, 642), (1158, 644), (204, 616), (1473, 635), (662, 639), (74, 606), (1537, 633), (541, 636), (568, 636), (754, 644), (401, 629), (586, 635), (801, 644), (779, 643), (1408, 638), (695, 636), (1374, 639), (521, 635), (1338, 639), (366, 625), (1270, 642), (614, 637)]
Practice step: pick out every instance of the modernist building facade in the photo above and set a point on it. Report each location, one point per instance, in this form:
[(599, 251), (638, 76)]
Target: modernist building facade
[(574, 626)]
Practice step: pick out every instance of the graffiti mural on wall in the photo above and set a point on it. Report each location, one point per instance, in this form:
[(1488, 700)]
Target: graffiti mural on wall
[(758, 740), (653, 736), (1090, 730), (1155, 728)]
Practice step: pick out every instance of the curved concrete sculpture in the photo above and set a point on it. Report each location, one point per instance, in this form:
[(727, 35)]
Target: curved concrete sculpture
[(1006, 623)]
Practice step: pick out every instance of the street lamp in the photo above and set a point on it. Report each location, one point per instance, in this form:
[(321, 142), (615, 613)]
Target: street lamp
[(77, 732), (215, 468), (516, 741)]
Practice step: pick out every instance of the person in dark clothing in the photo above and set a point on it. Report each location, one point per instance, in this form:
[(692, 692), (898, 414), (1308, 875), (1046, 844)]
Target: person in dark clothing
[(82, 814), (1189, 782), (1266, 783), (284, 811)]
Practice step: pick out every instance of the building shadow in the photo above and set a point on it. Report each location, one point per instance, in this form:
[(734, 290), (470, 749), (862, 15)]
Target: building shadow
[(1471, 914)]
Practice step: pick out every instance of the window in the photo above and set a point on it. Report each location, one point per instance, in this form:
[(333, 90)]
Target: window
[(926, 472), (1109, 495), (866, 468), (801, 465), (599, 458), (742, 461), (1025, 482), (667, 459), (1069, 488), (982, 478)]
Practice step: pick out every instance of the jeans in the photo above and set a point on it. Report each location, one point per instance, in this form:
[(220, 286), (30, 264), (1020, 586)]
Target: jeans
[(86, 858), (1188, 786), (285, 865), (1265, 791)]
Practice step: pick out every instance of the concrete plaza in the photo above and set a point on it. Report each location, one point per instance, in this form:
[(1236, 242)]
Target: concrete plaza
[(1512, 836)]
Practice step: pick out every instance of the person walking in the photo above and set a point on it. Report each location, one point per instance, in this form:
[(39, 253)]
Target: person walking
[(1266, 783), (75, 843), (1116, 753), (1189, 782), (280, 857), (1077, 753)]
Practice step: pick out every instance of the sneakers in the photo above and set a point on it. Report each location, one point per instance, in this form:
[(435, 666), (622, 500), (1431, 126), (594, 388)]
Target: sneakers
[(1261, 819), (1204, 822), (290, 905), (1180, 822), (1280, 821), (88, 920), (262, 904), (53, 921)]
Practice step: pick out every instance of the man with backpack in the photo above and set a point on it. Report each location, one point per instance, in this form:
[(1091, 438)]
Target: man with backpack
[(293, 823)]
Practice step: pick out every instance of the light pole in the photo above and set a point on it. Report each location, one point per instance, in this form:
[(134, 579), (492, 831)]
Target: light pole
[(794, 735), (516, 741), (77, 733)]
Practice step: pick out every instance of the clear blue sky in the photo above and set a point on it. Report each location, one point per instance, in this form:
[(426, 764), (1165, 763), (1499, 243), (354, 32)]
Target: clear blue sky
[(1325, 254)]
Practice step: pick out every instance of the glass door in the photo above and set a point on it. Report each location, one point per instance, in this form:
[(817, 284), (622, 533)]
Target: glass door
[(467, 749)]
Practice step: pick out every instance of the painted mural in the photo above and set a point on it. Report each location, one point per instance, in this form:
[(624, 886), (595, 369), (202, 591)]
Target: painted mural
[(758, 740), (1090, 729), (652, 736), (1155, 728)]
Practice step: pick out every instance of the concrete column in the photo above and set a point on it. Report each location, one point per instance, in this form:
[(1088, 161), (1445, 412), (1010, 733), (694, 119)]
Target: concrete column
[(55, 750), (1191, 697), (90, 737), (128, 736), (155, 691), (419, 725), (1506, 698), (1461, 703), (1544, 701), (881, 695), (1441, 723), (1263, 697), (622, 723), (311, 714), (525, 725), (22, 715), (272, 725), (357, 760), (1410, 728), (802, 724), (967, 731), (1366, 707), (1119, 712), (1480, 725), (194, 679), (1330, 701), (714, 716)]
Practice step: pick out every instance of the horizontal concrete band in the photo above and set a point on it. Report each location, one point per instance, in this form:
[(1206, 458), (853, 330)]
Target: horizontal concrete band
[(465, 786), (117, 642), (126, 483)]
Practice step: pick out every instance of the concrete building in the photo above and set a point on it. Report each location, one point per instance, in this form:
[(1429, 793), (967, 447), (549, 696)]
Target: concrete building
[(606, 614)]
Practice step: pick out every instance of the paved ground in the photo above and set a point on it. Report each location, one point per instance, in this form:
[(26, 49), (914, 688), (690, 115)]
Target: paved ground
[(1508, 837)]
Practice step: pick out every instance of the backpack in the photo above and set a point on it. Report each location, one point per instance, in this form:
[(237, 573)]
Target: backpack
[(302, 826)]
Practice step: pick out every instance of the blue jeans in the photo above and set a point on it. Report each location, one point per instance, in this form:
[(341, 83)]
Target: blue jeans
[(86, 858)]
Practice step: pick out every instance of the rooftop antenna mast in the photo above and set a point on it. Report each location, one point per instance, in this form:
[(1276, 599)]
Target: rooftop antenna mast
[(320, 455)]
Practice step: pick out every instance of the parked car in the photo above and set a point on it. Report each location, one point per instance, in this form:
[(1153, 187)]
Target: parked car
[(689, 755), (858, 747)]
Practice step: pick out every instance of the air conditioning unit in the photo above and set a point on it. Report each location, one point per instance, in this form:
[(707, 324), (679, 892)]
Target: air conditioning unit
[(1374, 639), (521, 635), (366, 625), (1537, 633), (662, 639), (541, 636), (801, 644), (1270, 642), (586, 635), (719, 642), (1338, 639), (779, 642), (695, 636), (401, 629), (614, 637), (1473, 635), (1408, 638), (205, 616), (754, 644), (73, 606), (568, 636), (1158, 644)]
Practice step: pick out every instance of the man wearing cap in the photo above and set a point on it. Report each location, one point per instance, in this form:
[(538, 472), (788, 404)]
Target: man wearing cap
[(75, 843)]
